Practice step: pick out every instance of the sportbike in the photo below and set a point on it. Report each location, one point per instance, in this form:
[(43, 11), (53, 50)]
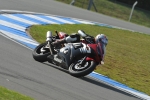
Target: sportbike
[(80, 58)]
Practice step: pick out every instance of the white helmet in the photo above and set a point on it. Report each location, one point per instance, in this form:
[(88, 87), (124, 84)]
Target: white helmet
[(101, 38)]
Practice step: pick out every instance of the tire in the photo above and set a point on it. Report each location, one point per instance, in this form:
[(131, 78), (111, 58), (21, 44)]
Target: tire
[(77, 71), (38, 55)]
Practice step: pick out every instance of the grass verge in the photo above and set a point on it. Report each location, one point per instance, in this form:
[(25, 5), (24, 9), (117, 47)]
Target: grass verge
[(127, 57), (115, 9), (6, 94)]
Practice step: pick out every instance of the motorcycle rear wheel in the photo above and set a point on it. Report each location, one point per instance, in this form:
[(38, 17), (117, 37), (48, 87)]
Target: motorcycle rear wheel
[(38, 55), (80, 71)]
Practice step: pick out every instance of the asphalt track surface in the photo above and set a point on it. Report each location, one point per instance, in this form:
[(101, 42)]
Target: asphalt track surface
[(56, 8), (19, 72)]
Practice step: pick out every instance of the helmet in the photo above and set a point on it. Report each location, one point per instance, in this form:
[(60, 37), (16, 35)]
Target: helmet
[(101, 41), (101, 38)]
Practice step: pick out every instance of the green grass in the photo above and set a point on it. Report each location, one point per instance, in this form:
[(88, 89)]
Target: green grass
[(127, 57), (6, 94), (116, 9)]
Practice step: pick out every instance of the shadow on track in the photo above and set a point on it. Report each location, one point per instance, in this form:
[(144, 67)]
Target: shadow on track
[(95, 82)]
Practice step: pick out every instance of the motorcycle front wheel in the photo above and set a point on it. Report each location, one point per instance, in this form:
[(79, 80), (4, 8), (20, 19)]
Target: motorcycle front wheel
[(75, 69), (40, 53)]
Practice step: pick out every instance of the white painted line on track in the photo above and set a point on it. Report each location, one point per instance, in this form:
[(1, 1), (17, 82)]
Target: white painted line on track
[(14, 41), (41, 19), (83, 21), (20, 38), (60, 19), (11, 25), (19, 19)]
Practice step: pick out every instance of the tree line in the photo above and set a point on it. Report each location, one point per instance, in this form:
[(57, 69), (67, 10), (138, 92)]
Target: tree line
[(144, 4)]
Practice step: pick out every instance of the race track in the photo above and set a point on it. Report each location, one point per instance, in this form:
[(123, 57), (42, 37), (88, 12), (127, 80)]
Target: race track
[(56, 8), (19, 72)]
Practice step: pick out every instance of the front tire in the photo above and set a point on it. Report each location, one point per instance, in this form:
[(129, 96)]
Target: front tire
[(40, 56), (79, 71)]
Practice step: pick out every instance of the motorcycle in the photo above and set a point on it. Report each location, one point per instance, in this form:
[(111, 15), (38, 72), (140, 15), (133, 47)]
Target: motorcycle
[(80, 59)]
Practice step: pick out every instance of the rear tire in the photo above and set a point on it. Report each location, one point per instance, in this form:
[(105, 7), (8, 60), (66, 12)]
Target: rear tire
[(77, 71), (38, 55)]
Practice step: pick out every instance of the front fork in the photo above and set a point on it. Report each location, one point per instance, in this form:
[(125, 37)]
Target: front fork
[(50, 48), (48, 39)]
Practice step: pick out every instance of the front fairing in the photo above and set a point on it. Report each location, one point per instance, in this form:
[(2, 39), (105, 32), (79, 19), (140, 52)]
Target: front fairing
[(70, 53), (98, 52), (64, 54), (94, 53)]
